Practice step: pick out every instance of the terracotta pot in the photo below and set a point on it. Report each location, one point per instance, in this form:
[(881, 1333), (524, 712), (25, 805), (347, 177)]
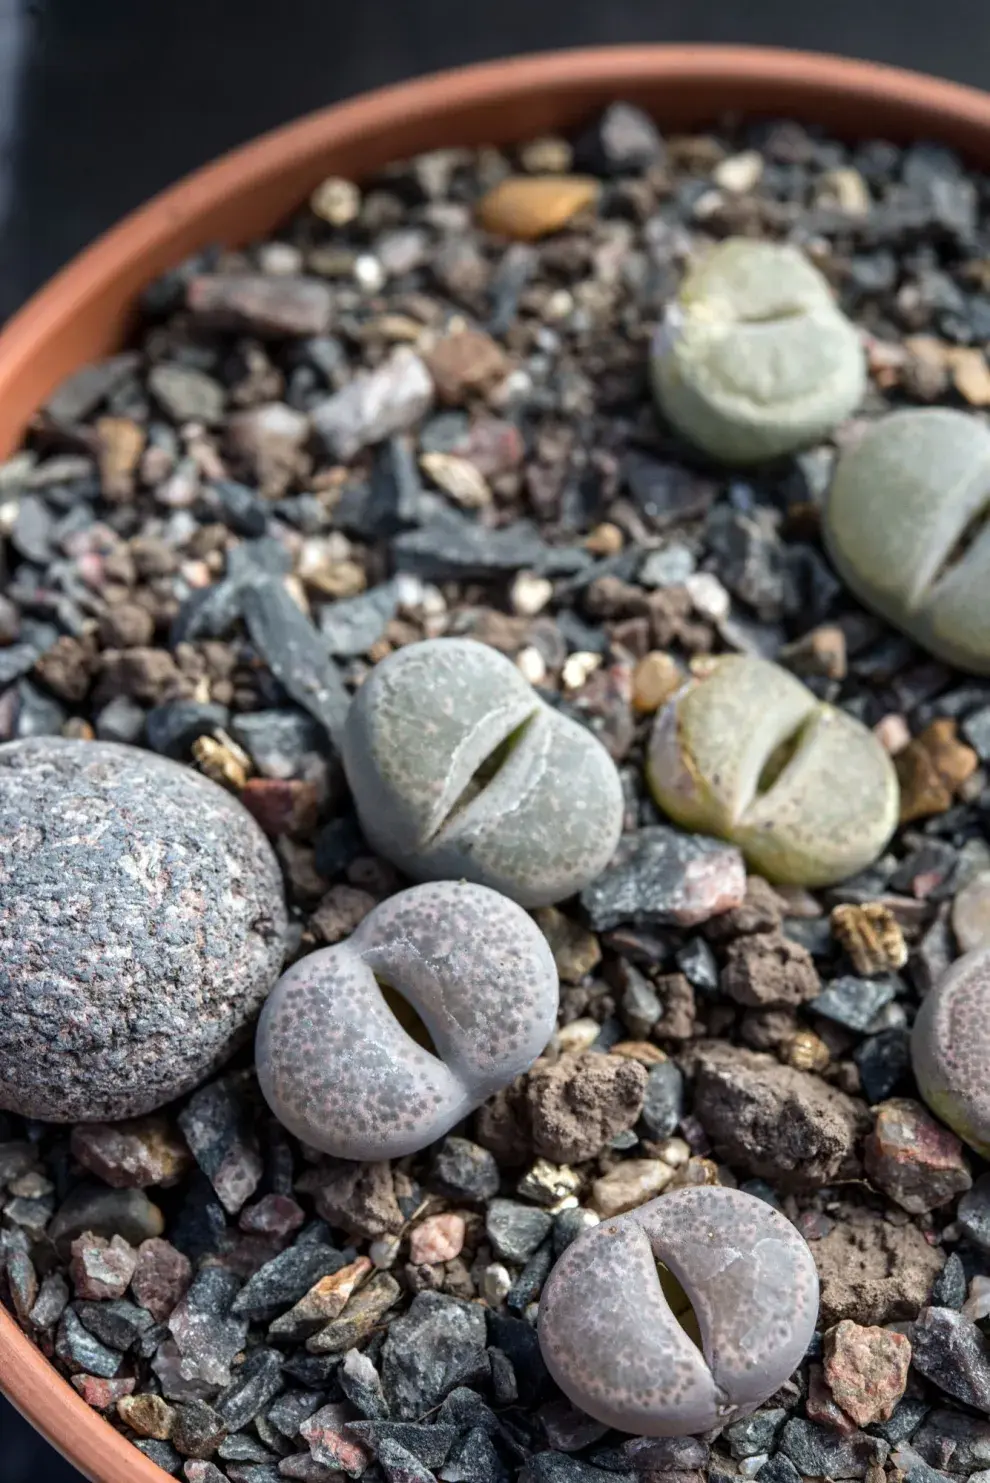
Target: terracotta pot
[(86, 311)]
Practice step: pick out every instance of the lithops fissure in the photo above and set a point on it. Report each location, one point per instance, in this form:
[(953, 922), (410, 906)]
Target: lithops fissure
[(751, 755), (459, 769), (614, 1345), (754, 358), (950, 1049), (341, 1072), (906, 526)]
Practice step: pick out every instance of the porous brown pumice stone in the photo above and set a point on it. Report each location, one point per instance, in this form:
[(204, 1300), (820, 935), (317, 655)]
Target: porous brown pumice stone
[(389, 424)]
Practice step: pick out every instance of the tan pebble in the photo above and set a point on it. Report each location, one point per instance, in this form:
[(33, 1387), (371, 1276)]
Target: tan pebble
[(871, 935), (530, 594), (820, 652), (457, 477), (739, 173), (341, 579), (806, 1052), (336, 201), (708, 596), (971, 375), (531, 665), (629, 1184), (605, 540), (220, 763), (148, 1415), (121, 443), (639, 1050), (931, 768), (548, 155), (971, 914), (846, 190), (527, 207), (576, 951), (579, 668), (655, 679), (550, 1184), (438, 1239), (893, 733), (579, 1035), (674, 1151), (697, 1171)]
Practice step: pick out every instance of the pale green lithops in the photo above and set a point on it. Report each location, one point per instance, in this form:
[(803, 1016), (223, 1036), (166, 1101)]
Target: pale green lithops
[(906, 528), (751, 755), (950, 1049), (341, 1072), (459, 769), (616, 1347), (754, 358)]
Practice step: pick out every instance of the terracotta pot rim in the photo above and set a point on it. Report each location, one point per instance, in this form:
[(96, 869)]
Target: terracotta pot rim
[(86, 307)]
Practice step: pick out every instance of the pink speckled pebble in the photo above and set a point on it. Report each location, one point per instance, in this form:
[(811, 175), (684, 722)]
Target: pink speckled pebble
[(438, 1239)]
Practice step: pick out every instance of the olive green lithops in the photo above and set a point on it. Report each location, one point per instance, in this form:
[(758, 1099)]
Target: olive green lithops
[(459, 770), (906, 528), (950, 1049), (754, 358), (751, 755)]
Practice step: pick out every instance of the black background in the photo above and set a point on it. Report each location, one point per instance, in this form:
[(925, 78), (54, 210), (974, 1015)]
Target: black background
[(103, 102)]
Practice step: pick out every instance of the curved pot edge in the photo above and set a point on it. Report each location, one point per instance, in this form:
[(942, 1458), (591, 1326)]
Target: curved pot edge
[(85, 311)]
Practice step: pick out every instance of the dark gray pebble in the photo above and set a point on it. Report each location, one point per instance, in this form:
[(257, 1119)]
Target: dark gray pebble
[(954, 1354), (217, 1123), (255, 1383), (82, 1351), (172, 877), (474, 1460), (198, 1430), (294, 652), (351, 627), (663, 1102), (437, 1345), (907, 1416), (464, 1171), (755, 1434), (820, 1452), (288, 1277), (172, 728), (661, 876), (560, 1467), (455, 548), (428, 1444), (290, 1410), (279, 742), (162, 1453), (854, 1002), (949, 1287), (698, 963), (516, 1230), (529, 1283), (119, 1324), (399, 1465), (883, 1062), (778, 1469)]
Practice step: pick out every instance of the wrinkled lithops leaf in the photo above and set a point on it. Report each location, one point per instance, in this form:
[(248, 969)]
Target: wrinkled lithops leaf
[(905, 527), (950, 1049), (750, 754), (754, 358), (338, 1068), (458, 769), (614, 1345)]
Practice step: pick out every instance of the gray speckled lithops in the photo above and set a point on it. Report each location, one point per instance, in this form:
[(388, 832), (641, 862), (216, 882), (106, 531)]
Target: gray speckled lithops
[(614, 1345), (141, 926), (340, 1071), (950, 1048), (906, 528), (458, 769), (754, 358), (751, 755)]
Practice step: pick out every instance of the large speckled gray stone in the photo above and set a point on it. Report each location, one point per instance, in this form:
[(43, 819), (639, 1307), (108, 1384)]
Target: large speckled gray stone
[(459, 770), (341, 1072), (614, 1346), (141, 927)]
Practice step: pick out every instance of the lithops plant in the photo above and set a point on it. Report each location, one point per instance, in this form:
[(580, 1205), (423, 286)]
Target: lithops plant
[(754, 358), (459, 769), (615, 1346), (906, 527), (341, 1072), (751, 755), (950, 1049)]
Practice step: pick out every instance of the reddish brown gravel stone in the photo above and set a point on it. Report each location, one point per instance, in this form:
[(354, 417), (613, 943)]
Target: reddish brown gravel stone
[(133, 1154), (867, 1369), (102, 1394), (101, 1268), (913, 1158), (161, 1276)]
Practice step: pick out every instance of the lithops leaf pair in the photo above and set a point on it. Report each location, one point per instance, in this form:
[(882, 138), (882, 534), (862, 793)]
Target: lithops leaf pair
[(754, 358), (615, 1346), (751, 755), (906, 528), (458, 769), (341, 1072), (950, 1049)]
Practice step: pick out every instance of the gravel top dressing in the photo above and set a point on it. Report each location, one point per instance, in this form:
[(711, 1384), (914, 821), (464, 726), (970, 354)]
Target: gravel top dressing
[(572, 416)]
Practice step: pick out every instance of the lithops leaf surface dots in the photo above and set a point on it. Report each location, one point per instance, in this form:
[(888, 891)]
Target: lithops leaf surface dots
[(906, 527), (459, 770), (950, 1049), (340, 1071), (753, 358), (616, 1348), (751, 755)]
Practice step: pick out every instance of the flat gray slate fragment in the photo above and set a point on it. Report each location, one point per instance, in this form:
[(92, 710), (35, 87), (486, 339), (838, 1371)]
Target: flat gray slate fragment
[(351, 627), (286, 1278), (854, 1002), (663, 877), (820, 1452), (179, 890), (454, 547), (294, 652), (954, 1354), (83, 392), (437, 1345)]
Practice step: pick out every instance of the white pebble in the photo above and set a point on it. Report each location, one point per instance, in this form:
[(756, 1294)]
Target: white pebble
[(530, 594), (495, 1284), (369, 273), (709, 597), (531, 665), (280, 259), (559, 305), (739, 173), (384, 1251), (750, 1466), (977, 1304), (578, 1035), (579, 668), (337, 201)]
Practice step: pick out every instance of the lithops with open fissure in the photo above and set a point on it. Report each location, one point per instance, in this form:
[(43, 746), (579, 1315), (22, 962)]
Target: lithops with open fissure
[(459, 769), (906, 527), (751, 755), (616, 1347), (754, 358)]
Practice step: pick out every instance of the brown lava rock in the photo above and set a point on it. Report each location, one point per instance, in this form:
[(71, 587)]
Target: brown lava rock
[(141, 926), (773, 1121), (769, 969), (578, 1105), (760, 911), (874, 1272)]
